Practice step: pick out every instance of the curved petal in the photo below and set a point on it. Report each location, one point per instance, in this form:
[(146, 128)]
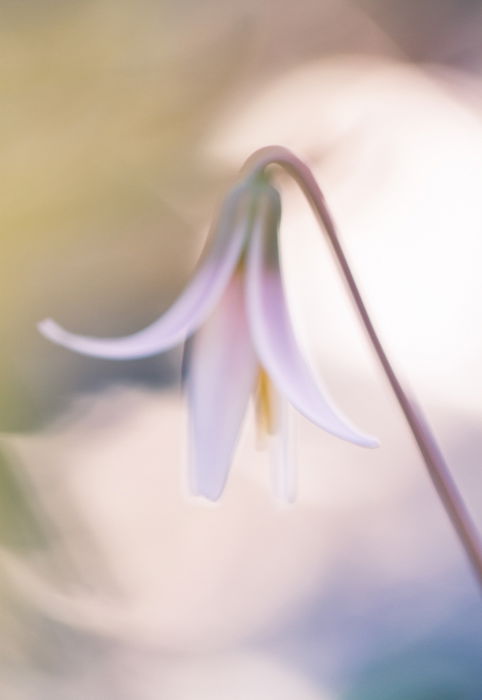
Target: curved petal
[(272, 330), (220, 378), (189, 310)]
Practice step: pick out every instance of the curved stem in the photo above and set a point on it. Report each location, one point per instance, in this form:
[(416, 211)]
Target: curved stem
[(436, 465)]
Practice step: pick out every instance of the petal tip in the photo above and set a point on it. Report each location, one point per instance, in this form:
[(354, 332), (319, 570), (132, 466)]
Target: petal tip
[(49, 329), (370, 442), (208, 492), (286, 500), (204, 489)]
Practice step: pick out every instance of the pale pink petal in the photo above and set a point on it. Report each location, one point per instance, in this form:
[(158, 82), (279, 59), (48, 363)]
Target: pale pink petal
[(220, 378), (189, 310), (272, 331)]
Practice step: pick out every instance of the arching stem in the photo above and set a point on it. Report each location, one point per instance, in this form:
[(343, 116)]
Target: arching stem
[(435, 462)]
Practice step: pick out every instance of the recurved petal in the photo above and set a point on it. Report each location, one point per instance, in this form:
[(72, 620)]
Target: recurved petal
[(273, 334), (192, 306), (220, 378)]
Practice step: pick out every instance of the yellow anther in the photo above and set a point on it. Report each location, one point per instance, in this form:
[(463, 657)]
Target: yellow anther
[(265, 405)]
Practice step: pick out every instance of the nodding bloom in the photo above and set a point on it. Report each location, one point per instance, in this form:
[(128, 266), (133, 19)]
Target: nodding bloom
[(241, 343)]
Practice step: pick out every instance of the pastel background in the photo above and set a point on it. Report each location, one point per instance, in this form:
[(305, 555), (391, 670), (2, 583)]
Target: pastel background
[(121, 127)]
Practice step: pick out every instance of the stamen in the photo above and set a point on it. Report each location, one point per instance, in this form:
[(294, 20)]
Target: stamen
[(275, 432), (266, 414), (283, 455)]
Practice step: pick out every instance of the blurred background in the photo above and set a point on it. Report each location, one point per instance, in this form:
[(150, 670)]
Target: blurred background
[(122, 125)]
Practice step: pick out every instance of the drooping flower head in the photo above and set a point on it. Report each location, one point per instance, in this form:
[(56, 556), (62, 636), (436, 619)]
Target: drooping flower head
[(241, 342)]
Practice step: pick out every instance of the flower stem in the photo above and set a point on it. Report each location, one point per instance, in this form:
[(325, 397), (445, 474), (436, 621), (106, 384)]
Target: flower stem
[(435, 462)]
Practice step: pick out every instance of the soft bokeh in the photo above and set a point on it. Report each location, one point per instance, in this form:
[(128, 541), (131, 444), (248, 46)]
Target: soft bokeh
[(122, 126)]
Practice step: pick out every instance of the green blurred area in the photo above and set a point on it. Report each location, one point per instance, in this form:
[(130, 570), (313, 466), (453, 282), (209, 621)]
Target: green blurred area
[(104, 195)]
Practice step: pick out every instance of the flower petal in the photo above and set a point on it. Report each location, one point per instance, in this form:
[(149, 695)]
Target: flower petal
[(189, 310), (272, 330), (220, 378)]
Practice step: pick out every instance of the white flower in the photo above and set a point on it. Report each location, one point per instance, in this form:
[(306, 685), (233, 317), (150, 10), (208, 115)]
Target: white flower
[(241, 338)]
